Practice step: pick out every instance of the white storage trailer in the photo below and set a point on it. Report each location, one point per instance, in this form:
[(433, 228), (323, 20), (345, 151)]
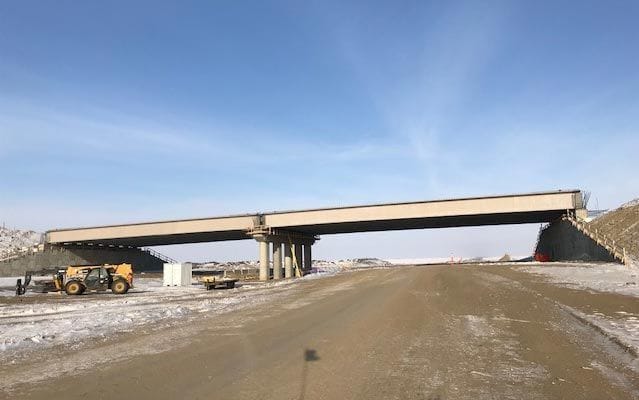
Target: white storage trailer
[(177, 274)]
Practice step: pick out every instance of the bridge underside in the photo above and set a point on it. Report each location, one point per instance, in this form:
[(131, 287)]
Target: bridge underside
[(432, 222), (161, 240), (337, 228)]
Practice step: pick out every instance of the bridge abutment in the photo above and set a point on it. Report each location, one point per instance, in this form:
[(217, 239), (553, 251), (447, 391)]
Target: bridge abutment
[(562, 241)]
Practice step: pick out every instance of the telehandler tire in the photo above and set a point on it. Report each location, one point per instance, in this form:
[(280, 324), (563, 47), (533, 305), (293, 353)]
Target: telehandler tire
[(120, 286), (74, 288)]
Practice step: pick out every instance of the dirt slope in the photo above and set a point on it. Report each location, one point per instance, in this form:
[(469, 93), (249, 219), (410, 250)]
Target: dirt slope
[(621, 225)]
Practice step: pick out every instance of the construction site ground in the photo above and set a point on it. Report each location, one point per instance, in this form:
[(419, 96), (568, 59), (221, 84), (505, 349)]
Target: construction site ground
[(434, 332)]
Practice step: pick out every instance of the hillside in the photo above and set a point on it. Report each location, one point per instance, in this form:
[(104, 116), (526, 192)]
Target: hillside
[(12, 240), (621, 225)]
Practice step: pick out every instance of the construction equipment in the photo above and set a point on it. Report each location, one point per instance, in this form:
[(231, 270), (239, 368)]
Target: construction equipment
[(21, 288), (75, 280), (37, 285), (211, 282)]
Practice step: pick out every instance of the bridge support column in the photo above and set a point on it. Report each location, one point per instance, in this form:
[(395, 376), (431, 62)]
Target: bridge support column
[(308, 262), (297, 249), (264, 259), (288, 261), (297, 259), (277, 260)]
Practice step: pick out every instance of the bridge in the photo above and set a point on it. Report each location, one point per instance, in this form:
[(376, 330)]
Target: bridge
[(297, 231)]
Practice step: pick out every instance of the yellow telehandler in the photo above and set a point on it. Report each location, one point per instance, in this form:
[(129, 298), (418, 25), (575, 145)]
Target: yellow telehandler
[(76, 279)]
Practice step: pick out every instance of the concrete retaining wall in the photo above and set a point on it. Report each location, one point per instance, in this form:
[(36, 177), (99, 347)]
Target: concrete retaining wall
[(561, 241), (57, 256)]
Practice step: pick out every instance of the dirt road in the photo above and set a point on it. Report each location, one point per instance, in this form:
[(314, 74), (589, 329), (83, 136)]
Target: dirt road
[(402, 333)]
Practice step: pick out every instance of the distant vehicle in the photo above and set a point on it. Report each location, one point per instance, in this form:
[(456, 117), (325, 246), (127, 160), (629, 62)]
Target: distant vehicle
[(75, 280)]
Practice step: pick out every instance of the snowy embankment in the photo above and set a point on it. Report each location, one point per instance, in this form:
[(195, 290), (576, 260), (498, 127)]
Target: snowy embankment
[(623, 326), (13, 240), (614, 278)]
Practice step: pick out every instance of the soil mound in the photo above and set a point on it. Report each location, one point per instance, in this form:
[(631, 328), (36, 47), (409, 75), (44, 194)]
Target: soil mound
[(622, 226)]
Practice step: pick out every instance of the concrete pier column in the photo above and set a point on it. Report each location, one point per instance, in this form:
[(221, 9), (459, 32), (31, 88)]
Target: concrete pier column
[(308, 262), (288, 261), (277, 260), (297, 259), (264, 260)]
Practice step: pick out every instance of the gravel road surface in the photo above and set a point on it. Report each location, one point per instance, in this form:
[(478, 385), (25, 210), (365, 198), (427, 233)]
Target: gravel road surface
[(443, 332)]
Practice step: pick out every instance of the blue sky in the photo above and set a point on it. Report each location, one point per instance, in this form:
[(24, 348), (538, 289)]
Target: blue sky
[(130, 111)]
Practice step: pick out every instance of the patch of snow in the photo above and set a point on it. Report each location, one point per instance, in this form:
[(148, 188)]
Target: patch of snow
[(57, 319), (8, 286), (631, 203), (623, 327), (608, 277), (7, 282)]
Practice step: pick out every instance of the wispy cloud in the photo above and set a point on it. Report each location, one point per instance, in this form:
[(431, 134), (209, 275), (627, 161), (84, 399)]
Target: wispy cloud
[(108, 132), (423, 98)]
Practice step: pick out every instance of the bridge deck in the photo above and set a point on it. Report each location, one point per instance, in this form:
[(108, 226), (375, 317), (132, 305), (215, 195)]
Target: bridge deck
[(490, 210)]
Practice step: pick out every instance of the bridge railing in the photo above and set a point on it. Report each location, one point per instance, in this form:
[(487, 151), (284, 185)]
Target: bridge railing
[(159, 255)]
